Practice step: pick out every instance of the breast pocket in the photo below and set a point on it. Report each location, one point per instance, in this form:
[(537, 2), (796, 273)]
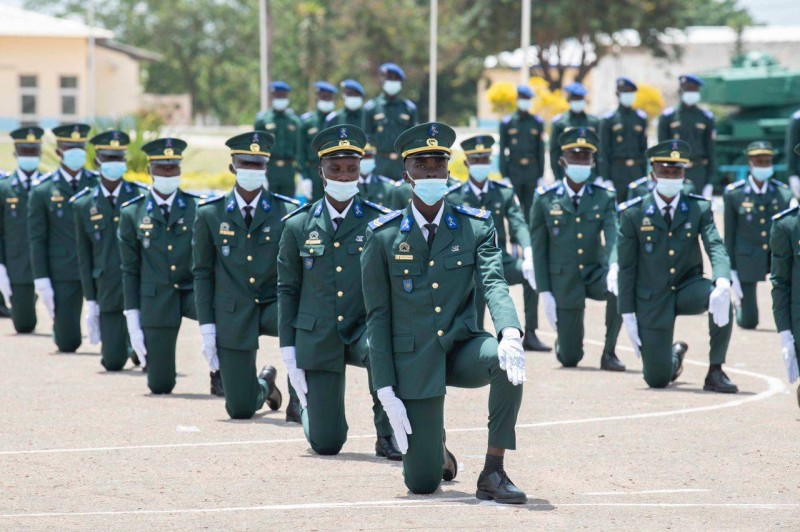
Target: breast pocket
[(648, 241), (462, 260), (407, 276), (226, 247)]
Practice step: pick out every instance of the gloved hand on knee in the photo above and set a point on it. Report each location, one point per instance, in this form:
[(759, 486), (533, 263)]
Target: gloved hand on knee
[(398, 417), (719, 303)]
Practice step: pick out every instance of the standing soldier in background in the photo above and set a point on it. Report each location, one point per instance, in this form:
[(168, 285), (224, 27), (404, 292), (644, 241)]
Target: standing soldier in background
[(499, 199), (287, 153), (155, 242), (96, 212), (623, 141), (385, 117), (16, 280), (792, 158), (575, 117), (51, 227), (312, 123), (353, 111), (695, 126), (749, 207), (522, 149), (375, 188)]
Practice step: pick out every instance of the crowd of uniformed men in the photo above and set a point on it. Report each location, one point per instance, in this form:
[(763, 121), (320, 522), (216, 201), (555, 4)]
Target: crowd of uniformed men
[(619, 224)]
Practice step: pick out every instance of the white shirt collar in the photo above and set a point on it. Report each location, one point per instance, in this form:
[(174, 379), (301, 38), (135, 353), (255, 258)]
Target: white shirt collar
[(69, 179), (660, 203), (242, 203), (336, 214), (755, 188), (23, 178), (161, 201), (571, 192), (478, 191), (114, 194), (362, 180), (422, 221)]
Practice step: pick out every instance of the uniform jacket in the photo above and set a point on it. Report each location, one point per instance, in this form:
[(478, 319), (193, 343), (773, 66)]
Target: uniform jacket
[(522, 147), (15, 251), (695, 126), (560, 124), (623, 140)]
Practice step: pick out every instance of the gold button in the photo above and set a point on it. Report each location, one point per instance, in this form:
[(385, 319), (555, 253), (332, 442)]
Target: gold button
[(763, 233), (249, 258), (169, 228), (340, 318), (225, 241), (578, 219), (340, 293), (252, 280), (435, 286), (458, 263), (672, 287), (116, 218), (672, 271), (267, 239), (431, 263), (763, 221), (438, 310), (761, 208), (248, 235), (169, 247), (360, 249), (339, 269), (580, 266), (173, 267), (184, 228), (176, 286), (580, 235), (671, 252), (311, 251), (257, 301), (405, 272), (669, 234), (147, 233), (765, 246), (440, 332), (336, 244), (96, 226), (580, 252)]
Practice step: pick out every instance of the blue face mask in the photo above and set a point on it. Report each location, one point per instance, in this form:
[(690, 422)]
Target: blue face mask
[(74, 158), (430, 191), (762, 173), (113, 170), (250, 180), (341, 190), (578, 173), (28, 163), (669, 188), (480, 172), (366, 166)]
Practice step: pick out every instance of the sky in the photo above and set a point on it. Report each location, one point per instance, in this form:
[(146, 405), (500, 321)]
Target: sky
[(770, 12)]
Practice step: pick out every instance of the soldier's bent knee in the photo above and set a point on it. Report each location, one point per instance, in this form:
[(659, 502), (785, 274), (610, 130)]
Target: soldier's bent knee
[(423, 484)]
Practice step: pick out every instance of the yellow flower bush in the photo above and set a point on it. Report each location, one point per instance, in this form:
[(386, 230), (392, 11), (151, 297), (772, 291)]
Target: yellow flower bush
[(503, 97), (650, 100), (547, 103)]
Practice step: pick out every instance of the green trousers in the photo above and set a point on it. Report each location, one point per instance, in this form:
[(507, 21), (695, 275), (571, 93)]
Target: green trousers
[(68, 296), (281, 178), (324, 421), (512, 270), (747, 313), (525, 188), (623, 175), (115, 346), (160, 343), (569, 327), (23, 307), (472, 364), (657, 358)]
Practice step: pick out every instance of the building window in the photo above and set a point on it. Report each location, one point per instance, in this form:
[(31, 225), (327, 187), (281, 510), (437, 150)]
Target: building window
[(69, 95), (29, 97)]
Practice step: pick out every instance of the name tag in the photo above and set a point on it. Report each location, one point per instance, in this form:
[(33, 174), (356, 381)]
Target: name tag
[(513, 131), (638, 128), (96, 217), (313, 242), (12, 200), (648, 228), (405, 116), (378, 116), (700, 125), (674, 125), (56, 199), (145, 226), (227, 233), (617, 127), (404, 257), (556, 213), (747, 204)]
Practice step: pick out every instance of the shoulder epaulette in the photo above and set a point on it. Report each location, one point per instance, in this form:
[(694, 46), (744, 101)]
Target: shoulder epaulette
[(43, 179), (212, 199), (708, 113), (501, 184), (641, 114), (330, 116), (668, 111), (507, 118), (287, 199), (735, 185), (195, 195), (411, 104), (387, 180), (608, 188), (4, 175), (634, 184), (480, 214), (557, 117), (79, 195), (383, 220), (370, 105), (454, 188), (539, 118), (305, 115), (624, 205), (698, 197), (796, 114), (550, 187), (781, 214), (777, 183), (298, 210), (132, 200), (380, 208)]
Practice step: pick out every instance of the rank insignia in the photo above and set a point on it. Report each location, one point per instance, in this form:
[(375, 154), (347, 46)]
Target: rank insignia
[(683, 206), (226, 250), (408, 285), (93, 210), (405, 226), (318, 210), (651, 210), (265, 206), (147, 220), (358, 210), (146, 243), (231, 205), (455, 248), (450, 221), (181, 203), (648, 247), (404, 247), (360, 238), (555, 231), (308, 262)]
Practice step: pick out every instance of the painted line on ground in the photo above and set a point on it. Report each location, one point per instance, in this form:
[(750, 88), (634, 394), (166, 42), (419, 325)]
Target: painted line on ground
[(645, 492)]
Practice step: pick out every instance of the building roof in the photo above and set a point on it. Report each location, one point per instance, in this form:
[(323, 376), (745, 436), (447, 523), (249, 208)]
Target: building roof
[(139, 54), (16, 22)]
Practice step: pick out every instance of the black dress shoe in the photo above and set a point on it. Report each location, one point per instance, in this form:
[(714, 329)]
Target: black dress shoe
[(293, 411), (496, 486), (798, 395), (135, 358), (610, 362), (531, 342), (679, 349), (450, 465), (274, 396), (216, 384), (717, 381), (4, 312), (384, 446)]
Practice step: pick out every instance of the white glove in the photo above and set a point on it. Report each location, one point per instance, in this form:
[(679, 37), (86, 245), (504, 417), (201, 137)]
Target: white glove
[(93, 321), (794, 184), (398, 418), (719, 304), (5, 285), (789, 355), (549, 304), (44, 289), (511, 355), (209, 333), (527, 267), (297, 376), (136, 335), (632, 329), (612, 279), (736, 288), (708, 191)]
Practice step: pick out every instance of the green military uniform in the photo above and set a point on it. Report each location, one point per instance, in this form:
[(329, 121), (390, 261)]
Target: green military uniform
[(792, 140), (644, 186), (748, 219), (522, 155), (54, 254), (784, 243), (384, 119), (661, 271), (377, 189), (287, 152), (312, 123), (156, 261), (236, 278), (15, 252), (421, 320), (623, 141), (563, 122), (573, 248), (695, 126)]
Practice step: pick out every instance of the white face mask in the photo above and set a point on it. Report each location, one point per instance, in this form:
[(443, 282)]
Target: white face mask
[(353, 103), (578, 173), (325, 106), (524, 105), (340, 190), (480, 172), (690, 98), (250, 179), (627, 98), (669, 188), (366, 166), (166, 185), (392, 87), (280, 104), (762, 173), (577, 106)]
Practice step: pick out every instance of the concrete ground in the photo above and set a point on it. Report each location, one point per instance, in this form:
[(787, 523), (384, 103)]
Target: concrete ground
[(81, 449)]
